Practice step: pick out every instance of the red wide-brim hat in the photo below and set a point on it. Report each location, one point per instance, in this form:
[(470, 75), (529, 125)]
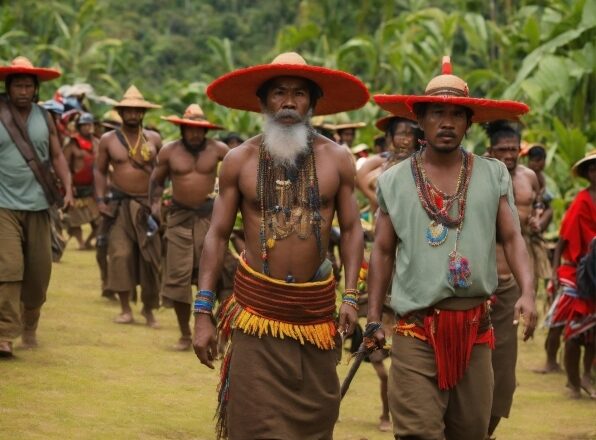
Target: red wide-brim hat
[(22, 66), (238, 89), (193, 117), (450, 89)]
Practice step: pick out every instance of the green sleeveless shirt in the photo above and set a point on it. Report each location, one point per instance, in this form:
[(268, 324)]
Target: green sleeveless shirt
[(19, 189), (420, 277)]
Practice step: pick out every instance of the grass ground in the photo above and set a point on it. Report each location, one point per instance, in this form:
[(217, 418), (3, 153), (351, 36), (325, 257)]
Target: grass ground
[(92, 379)]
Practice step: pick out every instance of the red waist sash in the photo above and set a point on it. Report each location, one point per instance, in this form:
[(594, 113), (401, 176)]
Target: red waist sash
[(452, 334)]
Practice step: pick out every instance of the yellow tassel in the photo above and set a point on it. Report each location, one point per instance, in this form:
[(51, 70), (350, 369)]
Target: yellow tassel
[(320, 335)]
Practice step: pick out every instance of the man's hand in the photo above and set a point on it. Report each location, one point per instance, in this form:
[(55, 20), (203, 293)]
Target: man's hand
[(104, 209), (525, 307), (378, 337), (68, 200), (204, 341), (348, 317)]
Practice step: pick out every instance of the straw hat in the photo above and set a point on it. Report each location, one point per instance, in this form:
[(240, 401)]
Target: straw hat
[(238, 89), (193, 117), (133, 98), (359, 148), (590, 156), (342, 121), (111, 119), (22, 65), (450, 89)]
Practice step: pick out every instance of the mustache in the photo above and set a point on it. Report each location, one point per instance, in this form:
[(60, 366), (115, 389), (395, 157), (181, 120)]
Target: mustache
[(287, 113), (448, 133)]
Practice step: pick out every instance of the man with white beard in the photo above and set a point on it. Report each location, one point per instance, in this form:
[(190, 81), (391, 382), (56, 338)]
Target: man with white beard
[(278, 379)]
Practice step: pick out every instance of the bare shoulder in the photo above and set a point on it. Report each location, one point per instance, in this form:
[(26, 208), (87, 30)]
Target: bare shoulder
[(220, 147), (169, 148), (327, 147), (152, 135), (245, 150)]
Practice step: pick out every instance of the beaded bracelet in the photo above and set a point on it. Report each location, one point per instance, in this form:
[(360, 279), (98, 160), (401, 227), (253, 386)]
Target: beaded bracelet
[(203, 303), (350, 297)]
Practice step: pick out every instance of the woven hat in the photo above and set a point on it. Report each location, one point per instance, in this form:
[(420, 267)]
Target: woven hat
[(450, 89), (111, 119), (238, 89), (133, 98), (359, 148), (590, 156), (193, 117), (22, 65)]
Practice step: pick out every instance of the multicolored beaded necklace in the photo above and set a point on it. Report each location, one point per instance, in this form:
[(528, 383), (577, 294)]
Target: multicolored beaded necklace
[(290, 201), (437, 206)]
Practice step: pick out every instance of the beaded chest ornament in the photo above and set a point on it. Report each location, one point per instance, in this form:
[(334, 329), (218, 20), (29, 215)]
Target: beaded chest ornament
[(437, 206), (289, 199)]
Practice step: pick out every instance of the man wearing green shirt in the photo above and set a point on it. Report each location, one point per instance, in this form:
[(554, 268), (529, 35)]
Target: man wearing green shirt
[(25, 237), (444, 208)]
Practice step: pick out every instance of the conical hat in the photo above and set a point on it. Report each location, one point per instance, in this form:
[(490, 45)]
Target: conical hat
[(22, 65), (450, 89), (590, 156), (193, 117), (383, 122), (238, 89), (133, 98)]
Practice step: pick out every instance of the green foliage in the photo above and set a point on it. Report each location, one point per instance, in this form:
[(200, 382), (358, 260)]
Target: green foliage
[(541, 52)]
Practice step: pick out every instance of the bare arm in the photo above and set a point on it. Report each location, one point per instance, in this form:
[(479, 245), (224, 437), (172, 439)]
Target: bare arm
[(363, 179), (156, 181), (518, 260), (215, 243), (60, 164), (352, 238), (380, 269), (100, 174)]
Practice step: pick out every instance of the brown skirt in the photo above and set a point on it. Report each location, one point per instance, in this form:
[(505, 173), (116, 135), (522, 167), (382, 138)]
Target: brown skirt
[(280, 389)]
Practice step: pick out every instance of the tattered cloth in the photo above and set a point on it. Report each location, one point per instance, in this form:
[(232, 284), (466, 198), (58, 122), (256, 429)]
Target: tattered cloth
[(452, 334), (262, 305)]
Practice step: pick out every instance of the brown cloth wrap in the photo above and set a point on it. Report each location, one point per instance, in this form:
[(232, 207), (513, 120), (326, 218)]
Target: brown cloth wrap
[(504, 356), (278, 378), (133, 257), (184, 237)]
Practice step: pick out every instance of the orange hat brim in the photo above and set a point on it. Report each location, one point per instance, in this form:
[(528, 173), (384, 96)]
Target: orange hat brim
[(238, 89), (191, 123), (485, 110), (42, 73)]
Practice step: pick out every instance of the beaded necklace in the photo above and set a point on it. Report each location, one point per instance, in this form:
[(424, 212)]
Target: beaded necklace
[(437, 205), (141, 140), (289, 199)]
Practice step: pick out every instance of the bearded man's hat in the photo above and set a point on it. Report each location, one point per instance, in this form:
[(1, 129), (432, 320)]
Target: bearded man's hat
[(238, 89), (193, 117), (22, 66), (134, 99), (450, 89)]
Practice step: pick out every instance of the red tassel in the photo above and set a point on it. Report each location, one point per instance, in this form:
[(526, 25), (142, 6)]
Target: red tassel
[(446, 65), (452, 336)]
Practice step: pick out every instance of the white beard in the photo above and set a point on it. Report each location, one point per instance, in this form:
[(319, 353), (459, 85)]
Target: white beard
[(286, 142)]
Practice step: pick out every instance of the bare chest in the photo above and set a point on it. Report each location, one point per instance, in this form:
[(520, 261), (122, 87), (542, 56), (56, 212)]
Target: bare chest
[(183, 163)]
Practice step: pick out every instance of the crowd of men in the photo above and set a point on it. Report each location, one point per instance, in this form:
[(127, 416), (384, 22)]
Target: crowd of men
[(454, 265)]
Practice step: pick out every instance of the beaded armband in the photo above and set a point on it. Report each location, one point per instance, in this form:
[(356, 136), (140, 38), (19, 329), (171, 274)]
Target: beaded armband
[(350, 297), (204, 301)]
